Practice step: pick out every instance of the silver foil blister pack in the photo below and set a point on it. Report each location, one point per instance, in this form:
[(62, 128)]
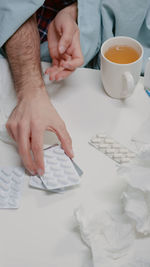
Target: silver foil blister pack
[(112, 148), (60, 171), (11, 183)]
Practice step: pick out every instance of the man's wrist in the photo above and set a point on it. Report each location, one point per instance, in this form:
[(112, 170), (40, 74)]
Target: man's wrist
[(30, 92), (72, 11)]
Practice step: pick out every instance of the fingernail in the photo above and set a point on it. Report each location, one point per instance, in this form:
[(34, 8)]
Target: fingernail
[(40, 172), (62, 49)]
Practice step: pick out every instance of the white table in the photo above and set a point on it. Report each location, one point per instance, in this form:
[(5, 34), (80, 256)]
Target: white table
[(43, 233)]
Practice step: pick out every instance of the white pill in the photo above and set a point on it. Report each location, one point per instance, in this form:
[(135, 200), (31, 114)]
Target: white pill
[(5, 179), (52, 161), (103, 146), (69, 172), (109, 141), (103, 150), (55, 168), (123, 150), (95, 140), (63, 158), (47, 176), (59, 152), (7, 171), (110, 155), (117, 155), (4, 186), (116, 145), (3, 194), (16, 179), (36, 180), (18, 172), (51, 183), (95, 145), (101, 135), (110, 150), (73, 179), (124, 160), (65, 165), (62, 181), (58, 173), (48, 155), (15, 187)]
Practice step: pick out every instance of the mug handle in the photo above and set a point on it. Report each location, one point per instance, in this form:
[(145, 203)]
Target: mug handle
[(128, 84)]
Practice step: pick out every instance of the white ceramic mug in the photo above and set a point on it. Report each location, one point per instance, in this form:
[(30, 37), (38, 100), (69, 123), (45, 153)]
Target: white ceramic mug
[(119, 80)]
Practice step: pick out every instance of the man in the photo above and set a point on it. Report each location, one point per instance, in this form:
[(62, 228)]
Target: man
[(34, 112)]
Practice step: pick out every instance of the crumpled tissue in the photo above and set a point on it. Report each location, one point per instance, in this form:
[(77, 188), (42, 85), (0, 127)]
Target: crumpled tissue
[(136, 198), (122, 239)]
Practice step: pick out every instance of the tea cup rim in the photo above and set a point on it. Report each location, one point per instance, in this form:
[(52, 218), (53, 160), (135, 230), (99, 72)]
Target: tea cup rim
[(122, 37)]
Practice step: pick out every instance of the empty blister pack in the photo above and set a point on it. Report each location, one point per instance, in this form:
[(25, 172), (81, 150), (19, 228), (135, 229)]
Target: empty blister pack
[(11, 182), (60, 171), (112, 148)]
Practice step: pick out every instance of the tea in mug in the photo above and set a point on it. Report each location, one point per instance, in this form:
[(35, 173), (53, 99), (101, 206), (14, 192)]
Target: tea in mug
[(122, 54)]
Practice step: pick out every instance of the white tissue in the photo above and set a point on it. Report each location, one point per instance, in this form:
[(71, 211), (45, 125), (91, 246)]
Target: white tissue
[(121, 240), (136, 197), (109, 237)]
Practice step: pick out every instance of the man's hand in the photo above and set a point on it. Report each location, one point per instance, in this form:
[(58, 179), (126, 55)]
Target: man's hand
[(64, 45), (34, 112), (33, 115)]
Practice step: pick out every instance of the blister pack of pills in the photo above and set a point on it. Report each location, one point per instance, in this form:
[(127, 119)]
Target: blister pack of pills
[(60, 171), (11, 183), (112, 148)]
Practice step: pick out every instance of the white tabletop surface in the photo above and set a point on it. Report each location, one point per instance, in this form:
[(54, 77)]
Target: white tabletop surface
[(43, 232)]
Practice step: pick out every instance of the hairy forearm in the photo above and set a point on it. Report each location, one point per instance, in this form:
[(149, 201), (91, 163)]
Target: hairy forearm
[(23, 52)]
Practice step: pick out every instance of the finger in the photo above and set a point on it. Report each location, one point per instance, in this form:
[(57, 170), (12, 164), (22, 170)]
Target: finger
[(67, 65), (65, 140), (51, 71), (62, 75), (53, 39), (67, 36), (37, 149), (54, 64), (54, 71), (24, 149), (72, 64), (77, 59), (66, 57)]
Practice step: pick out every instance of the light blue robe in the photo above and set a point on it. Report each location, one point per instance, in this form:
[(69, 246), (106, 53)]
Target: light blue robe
[(97, 20)]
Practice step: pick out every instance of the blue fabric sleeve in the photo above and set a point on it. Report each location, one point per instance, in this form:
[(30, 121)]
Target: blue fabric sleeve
[(13, 13), (90, 28)]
